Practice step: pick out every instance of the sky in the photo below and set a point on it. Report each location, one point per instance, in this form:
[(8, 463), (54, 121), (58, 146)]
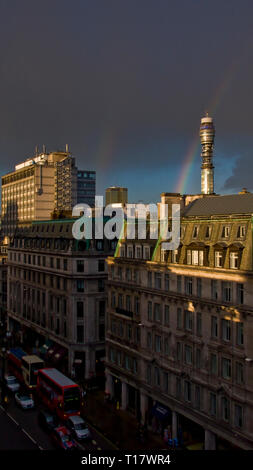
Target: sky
[(125, 84)]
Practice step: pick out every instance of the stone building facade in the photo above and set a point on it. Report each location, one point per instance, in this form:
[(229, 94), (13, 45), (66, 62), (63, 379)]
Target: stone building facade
[(180, 324), (56, 294)]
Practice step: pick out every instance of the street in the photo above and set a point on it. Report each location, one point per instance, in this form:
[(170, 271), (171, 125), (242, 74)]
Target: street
[(19, 429)]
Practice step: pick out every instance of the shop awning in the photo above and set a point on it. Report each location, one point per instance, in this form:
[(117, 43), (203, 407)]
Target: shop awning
[(161, 412)]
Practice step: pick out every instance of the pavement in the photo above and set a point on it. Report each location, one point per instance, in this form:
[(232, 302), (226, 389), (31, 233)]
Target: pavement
[(118, 426)]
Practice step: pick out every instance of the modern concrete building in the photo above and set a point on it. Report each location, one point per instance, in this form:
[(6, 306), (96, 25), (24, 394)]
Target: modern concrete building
[(180, 325), (86, 187), (56, 294), (40, 185)]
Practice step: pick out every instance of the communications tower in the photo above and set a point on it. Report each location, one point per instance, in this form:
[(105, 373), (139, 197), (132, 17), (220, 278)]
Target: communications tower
[(207, 133)]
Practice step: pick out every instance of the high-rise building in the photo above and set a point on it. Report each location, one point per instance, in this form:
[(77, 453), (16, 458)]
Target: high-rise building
[(86, 187), (40, 185), (207, 133), (116, 195)]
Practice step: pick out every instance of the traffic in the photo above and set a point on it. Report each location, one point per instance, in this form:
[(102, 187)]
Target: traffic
[(56, 398)]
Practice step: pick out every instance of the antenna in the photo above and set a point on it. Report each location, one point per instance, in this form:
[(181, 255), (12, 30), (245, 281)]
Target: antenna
[(44, 148), (36, 150), (67, 148)]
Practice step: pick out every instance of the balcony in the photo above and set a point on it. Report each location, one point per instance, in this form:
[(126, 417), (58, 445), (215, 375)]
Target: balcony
[(122, 311)]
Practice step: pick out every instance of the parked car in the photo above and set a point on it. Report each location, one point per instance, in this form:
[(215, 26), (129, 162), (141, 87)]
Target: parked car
[(61, 437), (78, 428), (24, 401), (12, 383), (47, 421)]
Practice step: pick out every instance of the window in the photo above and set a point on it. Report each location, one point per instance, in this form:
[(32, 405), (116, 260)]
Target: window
[(226, 368), (226, 330), (79, 309), (138, 252), (226, 291), (157, 312), (149, 374), (158, 343), (58, 263), (167, 282), (195, 257), (225, 408), (188, 285), (239, 333), (128, 275), (157, 377), (234, 260), (130, 251), (79, 334), (113, 300), (101, 265), (120, 301), (214, 289), (195, 231), (199, 286), (197, 397), (146, 252), (188, 321), (240, 293), (239, 373), (150, 316), (122, 250), (51, 262), (166, 347), (179, 318), (225, 231), (198, 358), (187, 390), (100, 245), (188, 355), (218, 259), (241, 231), (213, 364), (80, 266), (238, 416), (65, 264), (214, 327), (128, 303), (80, 285), (158, 280), (137, 306), (165, 382), (213, 404), (208, 231), (179, 351), (166, 314), (199, 324), (179, 284), (174, 256), (178, 387), (149, 340), (150, 278), (101, 285)]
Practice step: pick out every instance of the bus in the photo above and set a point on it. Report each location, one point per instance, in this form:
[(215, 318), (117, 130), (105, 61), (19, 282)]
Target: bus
[(60, 394), (30, 366), (14, 356), (24, 367)]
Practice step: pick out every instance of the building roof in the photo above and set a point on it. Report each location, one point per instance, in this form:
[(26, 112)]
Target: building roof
[(58, 377), (220, 205)]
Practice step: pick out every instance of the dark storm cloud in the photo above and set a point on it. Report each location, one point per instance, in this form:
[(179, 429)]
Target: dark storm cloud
[(241, 174), (123, 82)]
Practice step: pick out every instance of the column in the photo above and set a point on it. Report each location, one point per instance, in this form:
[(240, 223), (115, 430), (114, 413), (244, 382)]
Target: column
[(108, 383), (70, 361), (124, 396), (210, 440), (90, 361), (174, 425), (144, 407)]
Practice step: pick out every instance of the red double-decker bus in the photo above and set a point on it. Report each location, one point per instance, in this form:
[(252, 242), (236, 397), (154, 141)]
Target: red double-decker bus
[(14, 357), (60, 394)]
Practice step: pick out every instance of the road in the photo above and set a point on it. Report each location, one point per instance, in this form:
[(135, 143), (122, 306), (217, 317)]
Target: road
[(19, 429)]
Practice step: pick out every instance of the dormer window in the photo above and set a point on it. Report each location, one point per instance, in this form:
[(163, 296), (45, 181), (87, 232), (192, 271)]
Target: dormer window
[(195, 231), (208, 231), (241, 231), (225, 231), (234, 260), (122, 251), (195, 257), (174, 256), (218, 259), (130, 251)]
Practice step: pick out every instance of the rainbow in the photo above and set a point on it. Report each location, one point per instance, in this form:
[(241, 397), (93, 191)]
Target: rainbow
[(187, 165)]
